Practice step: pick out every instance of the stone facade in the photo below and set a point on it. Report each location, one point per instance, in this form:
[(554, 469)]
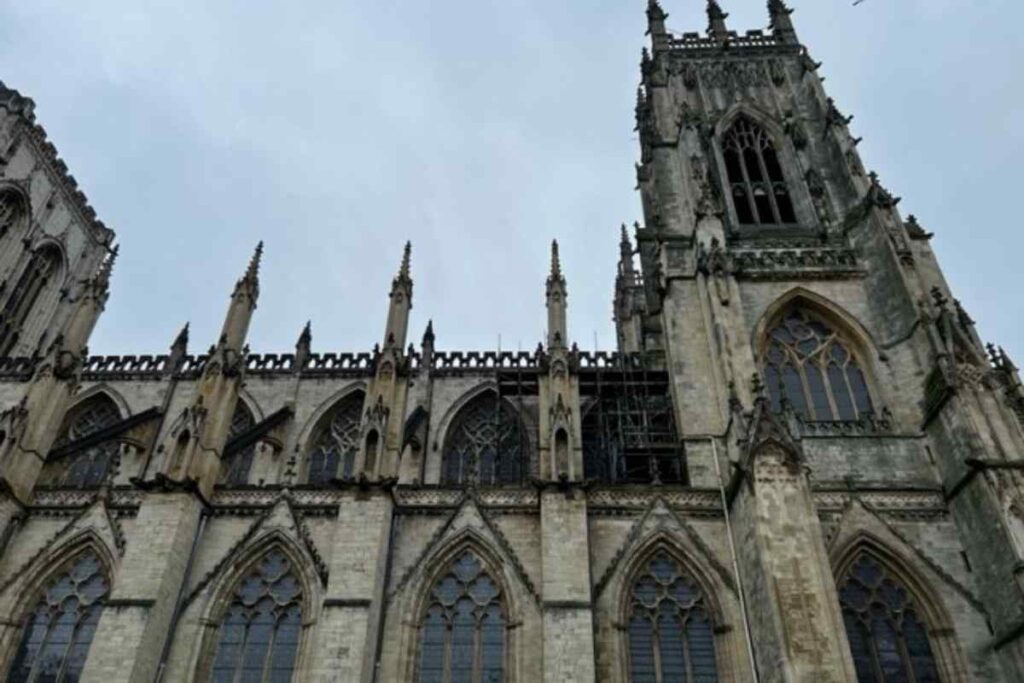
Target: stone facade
[(762, 482)]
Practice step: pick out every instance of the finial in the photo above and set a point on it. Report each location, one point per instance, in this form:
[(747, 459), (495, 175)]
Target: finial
[(406, 261), (428, 335), (655, 18), (716, 21), (556, 265), (780, 22), (306, 336), (181, 341), (254, 264)]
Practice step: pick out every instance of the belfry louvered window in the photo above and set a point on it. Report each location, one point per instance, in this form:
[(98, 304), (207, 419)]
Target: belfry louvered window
[(337, 443), (813, 367), (757, 184), (671, 637), (486, 444), (462, 633), (88, 467), (259, 635), (58, 632), (237, 471), (40, 271), (887, 634)]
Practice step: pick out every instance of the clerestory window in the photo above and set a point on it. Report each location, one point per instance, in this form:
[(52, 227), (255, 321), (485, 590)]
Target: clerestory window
[(810, 365), (758, 187), (58, 632), (259, 634), (486, 444), (337, 444), (887, 634), (671, 636), (462, 633), (89, 467)]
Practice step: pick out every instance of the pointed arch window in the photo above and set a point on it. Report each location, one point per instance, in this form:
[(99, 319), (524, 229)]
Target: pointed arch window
[(812, 366), (884, 625), (58, 632), (486, 444), (670, 629), (337, 443), (41, 270), (463, 629), (259, 635), (90, 466), (237, 471), (757, 184)]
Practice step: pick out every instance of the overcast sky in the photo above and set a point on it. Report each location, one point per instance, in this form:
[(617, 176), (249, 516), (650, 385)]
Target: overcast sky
[(480, 129)]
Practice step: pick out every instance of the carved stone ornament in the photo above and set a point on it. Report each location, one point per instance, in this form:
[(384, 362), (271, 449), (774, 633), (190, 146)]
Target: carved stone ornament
[(775, 70), (717, 265), (794, 130)]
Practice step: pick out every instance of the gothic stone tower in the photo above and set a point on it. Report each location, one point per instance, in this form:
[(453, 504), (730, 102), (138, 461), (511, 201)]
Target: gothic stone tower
[(799, 465)]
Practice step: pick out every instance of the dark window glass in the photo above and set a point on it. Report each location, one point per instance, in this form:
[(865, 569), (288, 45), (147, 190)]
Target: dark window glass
[(888, 640), (40, 271), (236, 472), (462, 633), (88, 467), (759, 190), (259, 634), (57, 633), (486, 444), (811, 366), (671, 638), (336, 445)]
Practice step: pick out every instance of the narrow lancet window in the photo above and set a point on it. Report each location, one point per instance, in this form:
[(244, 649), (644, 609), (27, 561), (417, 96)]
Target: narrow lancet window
[(670, 630), (486, 444), (40, 272), (462, 632), (259, 634), (887, 633), (810, 365), (756, 181), (236, 472), (336, 445), (58, 632)]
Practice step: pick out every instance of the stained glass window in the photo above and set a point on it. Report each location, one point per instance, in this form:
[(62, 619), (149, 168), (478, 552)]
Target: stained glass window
[(812, 366), (758, 186), (40, 271), (236, 473), (671, 636), (259, 634), (337, 443), (90, 466), (462, 634), (57, 633), (486, 444), (884, 625)]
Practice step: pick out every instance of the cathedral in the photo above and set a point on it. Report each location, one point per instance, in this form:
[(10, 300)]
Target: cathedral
[(800, 464)]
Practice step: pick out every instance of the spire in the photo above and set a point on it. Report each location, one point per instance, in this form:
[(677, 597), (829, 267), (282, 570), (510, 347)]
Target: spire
[(181, 341), (249, 285), (716, 22), (625, 249), (655, 19), (405, 268), (428, 334), (556, 296), (302, 347), (401, 303)]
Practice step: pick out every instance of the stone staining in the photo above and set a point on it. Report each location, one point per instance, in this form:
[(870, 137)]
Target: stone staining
[(798, 464)]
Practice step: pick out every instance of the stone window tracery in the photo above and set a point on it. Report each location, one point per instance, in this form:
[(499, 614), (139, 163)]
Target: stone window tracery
[(486, 444), (462, 633), (259, 634), (810, 364), (758, 187), (58, 632), (337, 443), (89, 467), (671, 635), (42, 268), (237, 471), (884, 625)]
